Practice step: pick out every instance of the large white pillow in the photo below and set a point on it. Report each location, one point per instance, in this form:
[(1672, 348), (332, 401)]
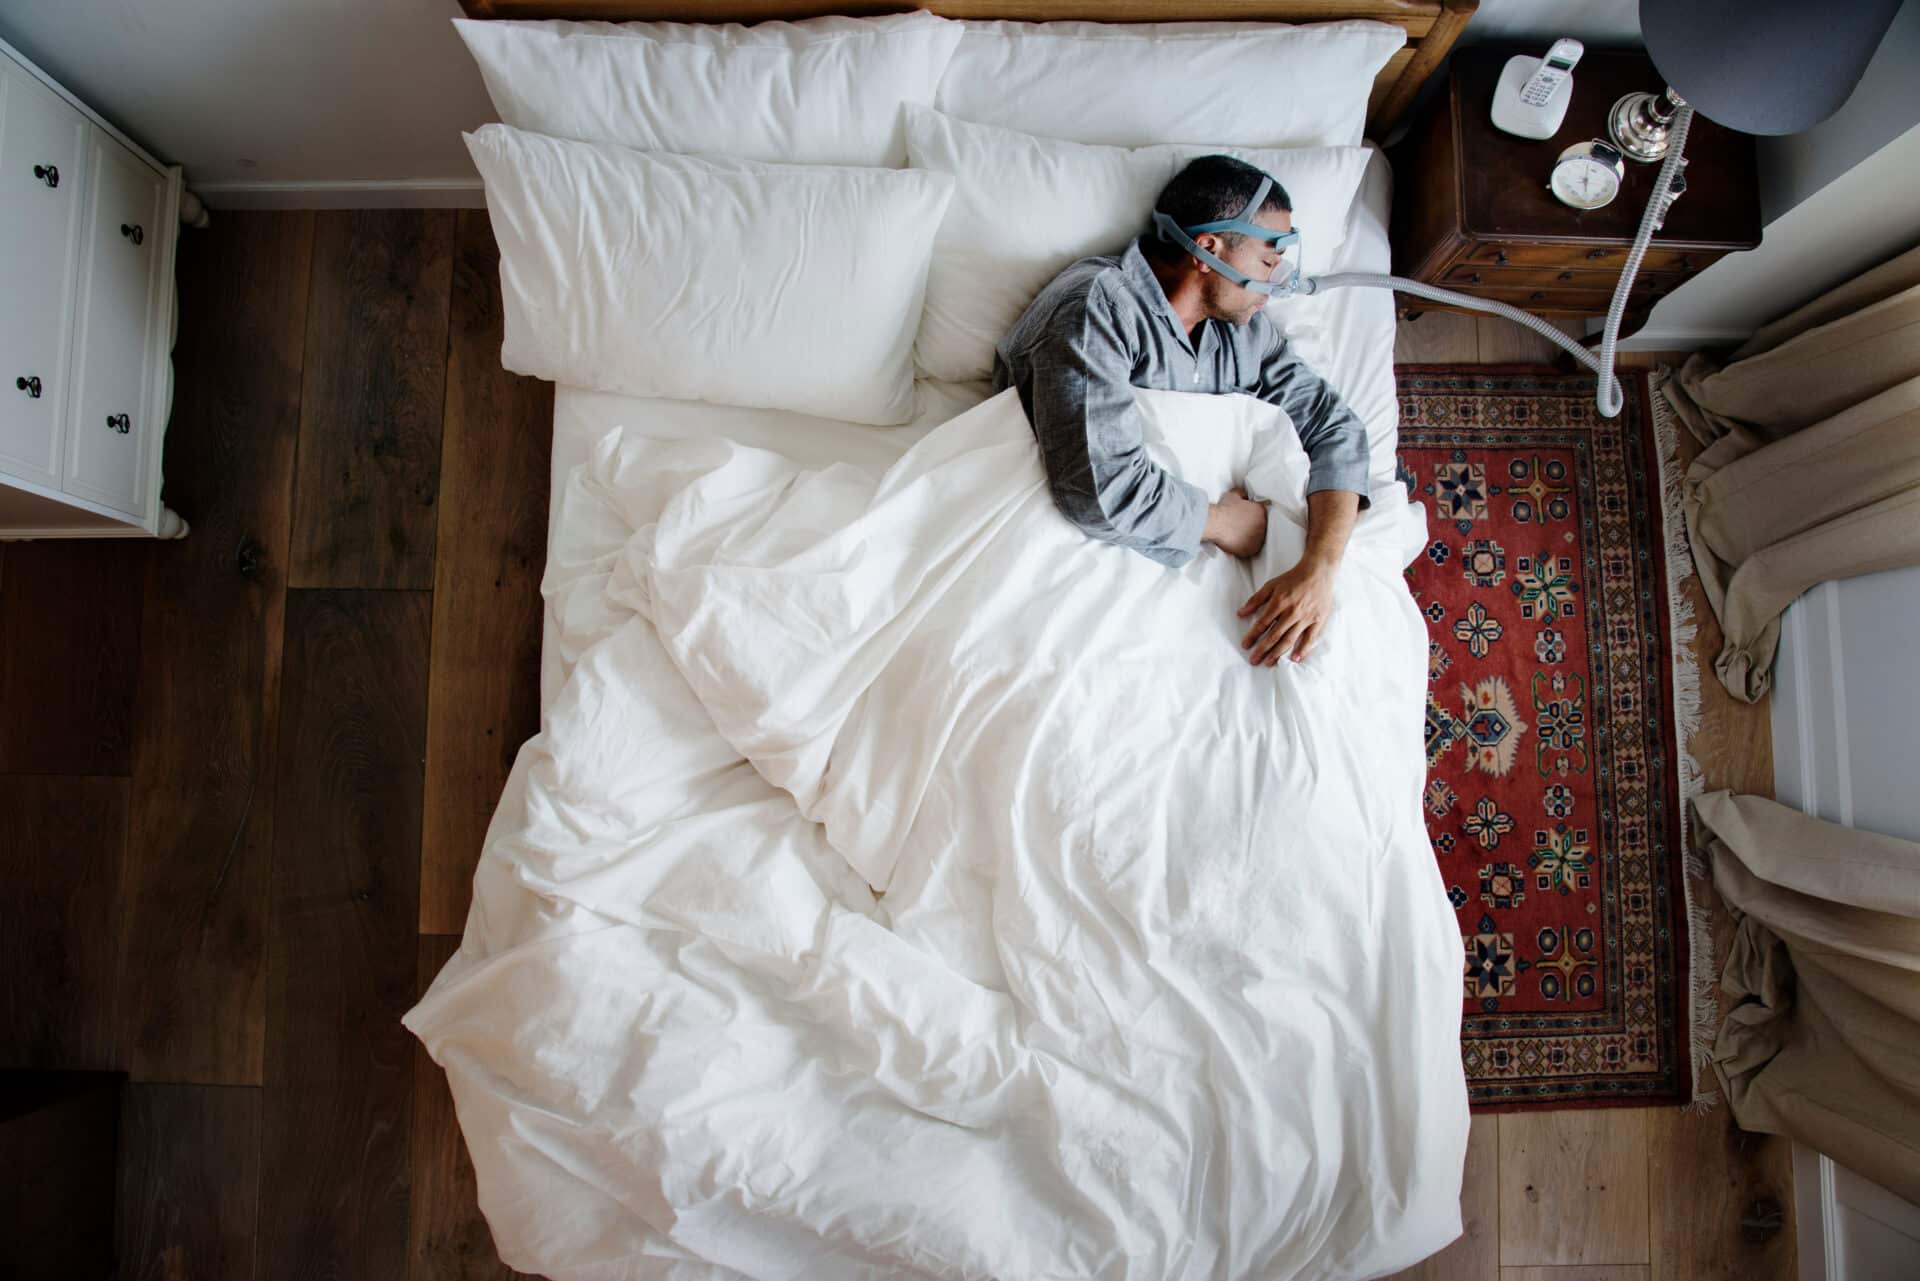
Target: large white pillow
[(1025, 207), (1252, 84), (826, 91), (775, 286)]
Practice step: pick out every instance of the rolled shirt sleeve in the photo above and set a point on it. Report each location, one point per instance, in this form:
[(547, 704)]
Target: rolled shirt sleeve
[(1332, 434), (1074, 383)]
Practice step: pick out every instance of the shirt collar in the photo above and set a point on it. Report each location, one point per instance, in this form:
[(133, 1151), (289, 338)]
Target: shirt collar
[(1140, 278), (1143, 281)]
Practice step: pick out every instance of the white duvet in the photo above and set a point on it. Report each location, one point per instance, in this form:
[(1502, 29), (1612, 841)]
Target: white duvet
[(1161, 980)]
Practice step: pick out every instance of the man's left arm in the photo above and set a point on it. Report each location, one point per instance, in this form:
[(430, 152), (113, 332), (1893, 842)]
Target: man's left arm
[(1289, 610)]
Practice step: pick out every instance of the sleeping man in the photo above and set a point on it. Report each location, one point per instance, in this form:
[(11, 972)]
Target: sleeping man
[(1181, 310)]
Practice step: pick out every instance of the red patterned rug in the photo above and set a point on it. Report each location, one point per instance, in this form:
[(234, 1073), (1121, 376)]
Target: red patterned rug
[(1554, 796)]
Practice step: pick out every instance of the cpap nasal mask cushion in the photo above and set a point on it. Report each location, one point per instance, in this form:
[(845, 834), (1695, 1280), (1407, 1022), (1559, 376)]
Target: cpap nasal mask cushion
[(1286, 274)]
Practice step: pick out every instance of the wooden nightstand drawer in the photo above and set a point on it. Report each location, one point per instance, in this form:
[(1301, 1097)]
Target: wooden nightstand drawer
[(1468, 274), (1569, 300), (1611, 257), (1577, 302)]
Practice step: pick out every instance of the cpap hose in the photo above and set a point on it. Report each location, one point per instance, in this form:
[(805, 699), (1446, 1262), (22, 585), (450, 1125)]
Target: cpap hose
[(1607, 394)]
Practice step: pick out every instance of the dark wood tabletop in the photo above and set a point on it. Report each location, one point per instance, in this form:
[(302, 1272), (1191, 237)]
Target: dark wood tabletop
[(1504, 193)]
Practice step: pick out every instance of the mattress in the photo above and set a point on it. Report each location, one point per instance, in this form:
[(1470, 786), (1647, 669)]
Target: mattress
[(1346, 336)]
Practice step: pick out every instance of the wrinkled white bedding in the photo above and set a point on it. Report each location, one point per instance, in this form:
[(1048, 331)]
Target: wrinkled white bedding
[(1163, 981)]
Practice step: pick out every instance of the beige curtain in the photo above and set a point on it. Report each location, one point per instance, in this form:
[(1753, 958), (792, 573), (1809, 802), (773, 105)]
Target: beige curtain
[(1822, 1035), (1812, 466)]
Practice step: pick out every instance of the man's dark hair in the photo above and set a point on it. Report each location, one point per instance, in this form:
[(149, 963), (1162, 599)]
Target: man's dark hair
[(1210, 189)]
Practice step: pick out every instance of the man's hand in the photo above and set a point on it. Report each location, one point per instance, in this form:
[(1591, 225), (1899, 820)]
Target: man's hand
[(1236, 524), (1290, 610), (1288, 613)]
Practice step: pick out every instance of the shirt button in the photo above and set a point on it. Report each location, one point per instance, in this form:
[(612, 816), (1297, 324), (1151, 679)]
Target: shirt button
[(1196, 375)]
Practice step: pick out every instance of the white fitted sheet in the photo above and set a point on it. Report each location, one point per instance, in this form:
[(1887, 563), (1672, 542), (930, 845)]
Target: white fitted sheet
[(1346, 336)]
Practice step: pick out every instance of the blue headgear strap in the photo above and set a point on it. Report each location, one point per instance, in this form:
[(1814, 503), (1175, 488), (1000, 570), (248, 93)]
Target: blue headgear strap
[(1242, 223)]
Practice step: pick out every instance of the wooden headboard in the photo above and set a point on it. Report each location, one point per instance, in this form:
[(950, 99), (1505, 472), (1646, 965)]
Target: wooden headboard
[(1431, 25)]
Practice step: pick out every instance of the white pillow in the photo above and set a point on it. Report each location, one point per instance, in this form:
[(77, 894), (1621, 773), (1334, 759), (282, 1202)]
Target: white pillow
[(826, 91), (1025, 207), (774, 286), (1251, 84)]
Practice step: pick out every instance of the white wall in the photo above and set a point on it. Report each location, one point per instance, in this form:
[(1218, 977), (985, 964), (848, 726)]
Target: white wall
[(1846, 734), (1595, 22), (263, 92), (1846, 704), (1840, 198), (1863, 217), (1885, 105)]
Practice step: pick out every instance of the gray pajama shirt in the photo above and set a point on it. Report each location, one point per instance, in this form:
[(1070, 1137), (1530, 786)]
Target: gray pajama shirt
[(1103, 327)]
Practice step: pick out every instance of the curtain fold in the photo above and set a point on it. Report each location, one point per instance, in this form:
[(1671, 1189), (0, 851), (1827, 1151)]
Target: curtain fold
[(1767, 522), (1850, 343), (1822, 1036), (1812, 465)]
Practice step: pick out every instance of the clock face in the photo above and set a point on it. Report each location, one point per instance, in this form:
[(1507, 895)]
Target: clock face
[(1585, 183)]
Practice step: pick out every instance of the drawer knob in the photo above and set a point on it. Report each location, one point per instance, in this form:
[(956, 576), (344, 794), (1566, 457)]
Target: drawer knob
[(1475, 279), (120, 423), (30, 385), (1537, 295), (49, 174), (133, 233), (1565, 275), (1597, 253), (1500, 258)]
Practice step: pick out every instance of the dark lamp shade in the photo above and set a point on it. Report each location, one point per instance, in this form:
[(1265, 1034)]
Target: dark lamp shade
[(1764, 66)]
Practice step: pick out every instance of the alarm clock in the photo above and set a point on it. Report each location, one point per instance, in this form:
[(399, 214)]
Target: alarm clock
[(1588, 174)]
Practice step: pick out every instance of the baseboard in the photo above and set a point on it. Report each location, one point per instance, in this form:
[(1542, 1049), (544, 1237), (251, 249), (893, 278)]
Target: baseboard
[(1680, 340), (1812, 765), (409, 193), (1816, 1216)]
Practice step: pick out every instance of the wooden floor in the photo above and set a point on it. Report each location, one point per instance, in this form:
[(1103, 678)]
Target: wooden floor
[(244, 778), (1621, 1194)]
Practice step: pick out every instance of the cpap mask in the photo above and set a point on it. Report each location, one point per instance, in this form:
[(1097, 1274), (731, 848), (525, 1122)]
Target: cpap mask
[(1286, 273), (1286, 278)]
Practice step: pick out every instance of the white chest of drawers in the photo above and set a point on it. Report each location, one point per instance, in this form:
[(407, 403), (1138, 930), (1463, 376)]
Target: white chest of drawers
[(88, 224)]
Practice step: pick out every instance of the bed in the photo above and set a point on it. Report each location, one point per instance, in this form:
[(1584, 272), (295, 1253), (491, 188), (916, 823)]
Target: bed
[(902, 886)]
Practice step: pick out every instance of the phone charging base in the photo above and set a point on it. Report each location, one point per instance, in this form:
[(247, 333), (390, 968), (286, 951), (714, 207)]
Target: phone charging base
[(1515, 117)]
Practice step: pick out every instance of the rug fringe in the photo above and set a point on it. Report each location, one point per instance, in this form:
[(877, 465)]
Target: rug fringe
[(1703, 996)]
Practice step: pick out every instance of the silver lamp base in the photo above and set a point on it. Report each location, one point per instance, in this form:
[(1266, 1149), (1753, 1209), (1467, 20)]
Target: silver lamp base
[(1639, 124)]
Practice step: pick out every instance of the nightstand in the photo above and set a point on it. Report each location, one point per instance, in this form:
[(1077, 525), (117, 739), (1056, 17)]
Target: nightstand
[(1472, 211)]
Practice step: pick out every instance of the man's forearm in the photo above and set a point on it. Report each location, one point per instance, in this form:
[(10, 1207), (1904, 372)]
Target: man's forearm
[(1330, 517)]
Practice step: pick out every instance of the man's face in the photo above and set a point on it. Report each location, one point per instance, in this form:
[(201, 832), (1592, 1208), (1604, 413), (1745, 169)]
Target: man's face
[(1225, 300)]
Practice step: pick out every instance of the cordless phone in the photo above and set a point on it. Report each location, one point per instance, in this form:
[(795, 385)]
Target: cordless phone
[(1556, 67), (1531, 98)]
